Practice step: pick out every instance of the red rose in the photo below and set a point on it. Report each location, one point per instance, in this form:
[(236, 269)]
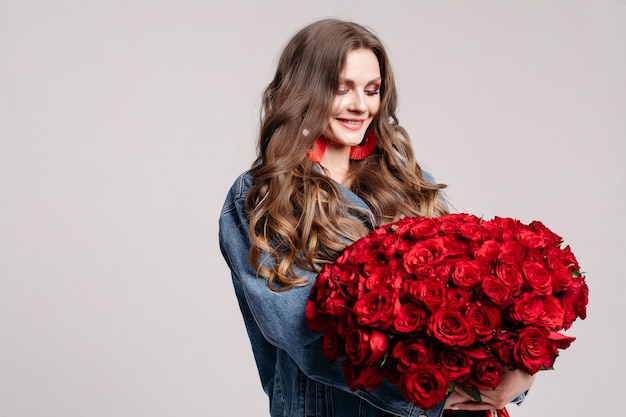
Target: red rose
[(388, 246), (400, 275), (467, 273), (534, 256), (362, 378), (527, 308), (377, 275), (537, 236), (326, 299), (509, 228), (339, 281), (456, 362), (511, 252), (453, 247), (453, 223), (501, 228), (575, 301), (511, 276), (559, 267), (430, 292), (451, 328), (532, 240), (502, 345), (423, 302), (569, 259), (560, 341), (486, 371), (551, 238), (424, 253), (537, 277), (552, 314), (483, 319), (488, 251), (400, 228), (410, 318), (533, 351), (444, 272), (425, 228), (495, 290), (450, 224), (376, 308), (332, 342), (314, 319), (425, 387), (457, 298), (346, 254), (364, 249), (365, 347), (335, 304), (471, 231), (408, 355)]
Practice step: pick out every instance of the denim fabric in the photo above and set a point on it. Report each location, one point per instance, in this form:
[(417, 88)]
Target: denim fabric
[(298, 379)]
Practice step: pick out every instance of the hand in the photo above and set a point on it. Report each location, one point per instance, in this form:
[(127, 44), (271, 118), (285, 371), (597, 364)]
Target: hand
[(513, 383), (458, 399)]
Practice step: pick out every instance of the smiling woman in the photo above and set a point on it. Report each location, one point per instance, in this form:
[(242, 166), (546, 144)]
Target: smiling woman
[(332, 164), (355, 105), (357, 100)]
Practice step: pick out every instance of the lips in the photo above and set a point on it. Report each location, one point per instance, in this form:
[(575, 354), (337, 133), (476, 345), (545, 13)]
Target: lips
[(352, 124)]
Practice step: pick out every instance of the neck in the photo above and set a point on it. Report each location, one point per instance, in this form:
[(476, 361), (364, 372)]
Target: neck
[(336, 161)]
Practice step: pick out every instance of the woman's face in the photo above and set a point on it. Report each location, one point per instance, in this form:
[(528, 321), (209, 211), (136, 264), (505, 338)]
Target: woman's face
[(357, 100)]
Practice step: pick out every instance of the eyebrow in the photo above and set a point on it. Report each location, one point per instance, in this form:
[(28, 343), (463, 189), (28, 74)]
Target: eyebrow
[(351, 82)]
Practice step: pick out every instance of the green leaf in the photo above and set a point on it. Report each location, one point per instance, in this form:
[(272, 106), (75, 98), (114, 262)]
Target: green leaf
[(475, 394), (574, 273), (384, 359), (451, 387)]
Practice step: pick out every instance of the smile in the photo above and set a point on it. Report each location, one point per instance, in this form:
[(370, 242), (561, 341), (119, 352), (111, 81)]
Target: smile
[(351, 124)]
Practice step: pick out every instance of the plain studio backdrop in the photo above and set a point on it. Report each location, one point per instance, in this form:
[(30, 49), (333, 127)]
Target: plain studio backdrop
[(123, 124)]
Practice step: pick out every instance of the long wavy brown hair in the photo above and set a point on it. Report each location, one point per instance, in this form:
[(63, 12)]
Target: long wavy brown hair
[(298, 215)]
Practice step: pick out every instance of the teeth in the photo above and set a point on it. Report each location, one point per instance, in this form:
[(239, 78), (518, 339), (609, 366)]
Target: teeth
[(352, 122)]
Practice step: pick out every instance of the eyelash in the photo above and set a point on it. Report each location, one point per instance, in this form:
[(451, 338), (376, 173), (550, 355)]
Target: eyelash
[(368, 92)]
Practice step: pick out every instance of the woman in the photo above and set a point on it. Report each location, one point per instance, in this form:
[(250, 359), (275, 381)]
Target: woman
[(332, 164)]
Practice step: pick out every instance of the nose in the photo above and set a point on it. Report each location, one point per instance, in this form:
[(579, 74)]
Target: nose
[(357, 102)]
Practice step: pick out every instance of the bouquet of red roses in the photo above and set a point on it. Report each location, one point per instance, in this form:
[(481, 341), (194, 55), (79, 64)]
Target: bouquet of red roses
[(431, 302)]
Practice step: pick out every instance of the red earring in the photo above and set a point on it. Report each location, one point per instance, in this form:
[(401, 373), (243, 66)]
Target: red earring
[(366, 148), (315, 155)]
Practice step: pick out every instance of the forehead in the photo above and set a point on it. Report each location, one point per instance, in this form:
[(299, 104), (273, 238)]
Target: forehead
[(361, 65)]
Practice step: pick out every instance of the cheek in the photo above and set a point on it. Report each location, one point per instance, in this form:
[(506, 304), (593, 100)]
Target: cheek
[(375, 107), (337, 105)]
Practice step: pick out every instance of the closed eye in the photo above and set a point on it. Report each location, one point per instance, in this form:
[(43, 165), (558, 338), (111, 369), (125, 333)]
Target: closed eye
[(344, 91)]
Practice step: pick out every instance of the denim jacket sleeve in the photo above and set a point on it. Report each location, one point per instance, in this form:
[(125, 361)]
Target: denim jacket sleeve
[(279, 316)]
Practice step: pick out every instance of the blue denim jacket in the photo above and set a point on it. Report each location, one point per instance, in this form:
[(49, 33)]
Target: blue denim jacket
[(298, 379)]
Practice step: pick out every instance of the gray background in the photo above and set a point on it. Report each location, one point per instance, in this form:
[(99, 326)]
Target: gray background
[(123, 123)]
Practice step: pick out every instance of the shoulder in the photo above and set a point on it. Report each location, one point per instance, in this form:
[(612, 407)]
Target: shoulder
[(241, 185), (233, 222), (237, 193)]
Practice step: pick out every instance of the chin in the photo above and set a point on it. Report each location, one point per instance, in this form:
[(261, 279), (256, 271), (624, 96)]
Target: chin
[(352, 140)]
